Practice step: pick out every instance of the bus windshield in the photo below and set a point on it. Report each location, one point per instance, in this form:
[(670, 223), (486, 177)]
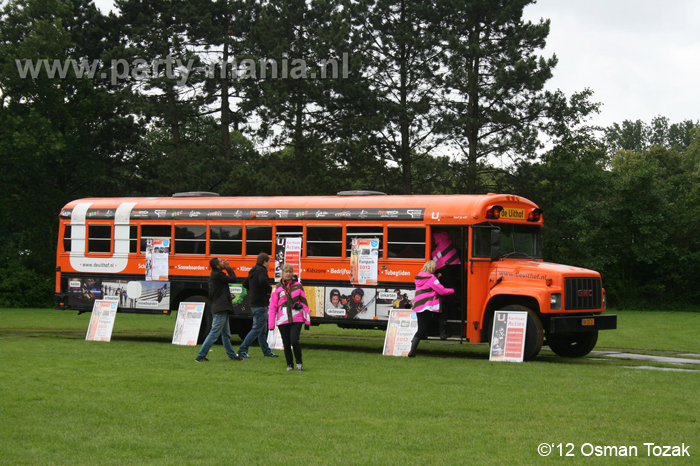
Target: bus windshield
[(516, 241)]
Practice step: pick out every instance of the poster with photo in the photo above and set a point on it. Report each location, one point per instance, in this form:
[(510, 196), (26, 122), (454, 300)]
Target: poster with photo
[(189, 320), (157, 257), (364, 261), (396, 299), (145, 295), (401, 328), (102, 320), (508, 336), (287, 251), (350, 303), (83, 292), (314, 298)]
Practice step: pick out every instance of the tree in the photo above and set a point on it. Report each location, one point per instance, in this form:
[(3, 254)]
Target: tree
[(298, 58), (148, 59), (639, 136), (402, 44), (64, 133), (205, 166), (494, 80)]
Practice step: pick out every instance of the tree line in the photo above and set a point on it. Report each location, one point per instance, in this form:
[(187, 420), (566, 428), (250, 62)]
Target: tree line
[(274, 97)]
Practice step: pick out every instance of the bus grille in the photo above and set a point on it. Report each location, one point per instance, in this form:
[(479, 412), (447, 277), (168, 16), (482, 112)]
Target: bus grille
[(583, 293)]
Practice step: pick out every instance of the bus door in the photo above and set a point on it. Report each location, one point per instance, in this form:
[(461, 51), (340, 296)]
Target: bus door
[(449, 252), (478, 271)]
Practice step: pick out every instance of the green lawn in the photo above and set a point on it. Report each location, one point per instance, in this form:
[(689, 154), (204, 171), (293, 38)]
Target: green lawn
[(140, 400)]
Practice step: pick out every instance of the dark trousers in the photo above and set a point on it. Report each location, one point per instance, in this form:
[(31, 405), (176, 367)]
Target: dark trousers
[(290, 339), (423, 323), (449, 278)]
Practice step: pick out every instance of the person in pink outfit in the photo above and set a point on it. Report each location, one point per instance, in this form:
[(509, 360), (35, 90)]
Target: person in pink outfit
[(427, 301), (447, 270), (289, 310)]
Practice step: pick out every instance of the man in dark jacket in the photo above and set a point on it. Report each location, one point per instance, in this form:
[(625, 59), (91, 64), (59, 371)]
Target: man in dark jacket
[(259, 290), (221, 308)]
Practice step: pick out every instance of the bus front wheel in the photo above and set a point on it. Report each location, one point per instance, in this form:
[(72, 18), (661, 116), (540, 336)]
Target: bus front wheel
[(572, 345)]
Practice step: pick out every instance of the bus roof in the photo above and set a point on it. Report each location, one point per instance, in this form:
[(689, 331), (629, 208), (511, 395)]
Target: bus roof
[(457, 209)]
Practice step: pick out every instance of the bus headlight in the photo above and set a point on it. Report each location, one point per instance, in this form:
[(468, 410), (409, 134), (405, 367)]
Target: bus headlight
[(555, 301)]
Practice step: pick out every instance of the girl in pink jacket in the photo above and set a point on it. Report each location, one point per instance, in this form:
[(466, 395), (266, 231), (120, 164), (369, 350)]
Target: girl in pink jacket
[(427, 301), (289, 311)]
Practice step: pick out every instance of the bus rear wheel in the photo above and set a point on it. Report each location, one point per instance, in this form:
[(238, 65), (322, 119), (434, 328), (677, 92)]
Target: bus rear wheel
[(242, 327), (572, 345)]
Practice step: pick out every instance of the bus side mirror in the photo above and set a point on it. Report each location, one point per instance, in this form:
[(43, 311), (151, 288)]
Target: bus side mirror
[(495, 244)]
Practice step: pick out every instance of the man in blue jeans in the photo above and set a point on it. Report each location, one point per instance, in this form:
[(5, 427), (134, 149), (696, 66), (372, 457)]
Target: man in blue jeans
[(221, 308), (259, 290)]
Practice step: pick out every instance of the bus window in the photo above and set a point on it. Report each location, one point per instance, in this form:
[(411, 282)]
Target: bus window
[(364, 232), (153, 231), (258, 239), (481, 241), (226, 240), (190, 239), (66, 238), (133, 239), (521, 241), (290, 230), (324, 241), (99, 238), (405, 242), (516, 241)]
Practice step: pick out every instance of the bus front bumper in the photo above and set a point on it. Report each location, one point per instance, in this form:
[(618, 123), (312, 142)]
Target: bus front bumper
[(577, 324)]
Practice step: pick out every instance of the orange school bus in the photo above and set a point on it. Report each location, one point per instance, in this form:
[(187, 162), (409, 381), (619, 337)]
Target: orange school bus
[(151, 254)]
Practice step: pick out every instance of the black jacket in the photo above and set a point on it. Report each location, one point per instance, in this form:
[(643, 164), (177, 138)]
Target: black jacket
[(219, 292), (258, 287)]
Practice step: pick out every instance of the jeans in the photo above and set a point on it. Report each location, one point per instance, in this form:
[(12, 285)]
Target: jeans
[(219, 326), (290, 338), (258, 331)]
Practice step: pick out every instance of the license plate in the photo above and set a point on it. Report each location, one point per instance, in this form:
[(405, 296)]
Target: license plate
[(587, 321)]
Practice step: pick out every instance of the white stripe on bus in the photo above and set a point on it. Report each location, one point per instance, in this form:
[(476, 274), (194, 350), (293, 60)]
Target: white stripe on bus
[(118, 261)]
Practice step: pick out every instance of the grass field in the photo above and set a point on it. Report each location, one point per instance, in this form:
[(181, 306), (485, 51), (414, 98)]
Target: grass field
[(140, 400)]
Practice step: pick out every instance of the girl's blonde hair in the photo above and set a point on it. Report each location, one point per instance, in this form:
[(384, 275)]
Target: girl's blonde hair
[(429, 266), (289, 267)]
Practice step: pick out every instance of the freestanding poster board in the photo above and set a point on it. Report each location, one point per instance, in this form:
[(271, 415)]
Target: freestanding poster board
[(102, 320), (400, 329), (189, 319), (508, 337)]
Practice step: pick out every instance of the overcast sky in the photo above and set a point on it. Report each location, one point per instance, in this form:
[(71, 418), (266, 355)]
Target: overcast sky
[(641, 58)]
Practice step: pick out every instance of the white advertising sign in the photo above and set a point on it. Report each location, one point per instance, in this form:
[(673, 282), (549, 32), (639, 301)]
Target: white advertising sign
[(508, 336), (189, 320), (102, 320)]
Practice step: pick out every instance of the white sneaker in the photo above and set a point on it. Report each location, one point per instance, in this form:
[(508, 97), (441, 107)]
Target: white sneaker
[(290, 368), (299, 367)]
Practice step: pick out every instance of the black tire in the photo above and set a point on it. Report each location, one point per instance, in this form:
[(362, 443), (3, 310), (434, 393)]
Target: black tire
[(205, 326), (534, 333), (572, 345), (241, 327)]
